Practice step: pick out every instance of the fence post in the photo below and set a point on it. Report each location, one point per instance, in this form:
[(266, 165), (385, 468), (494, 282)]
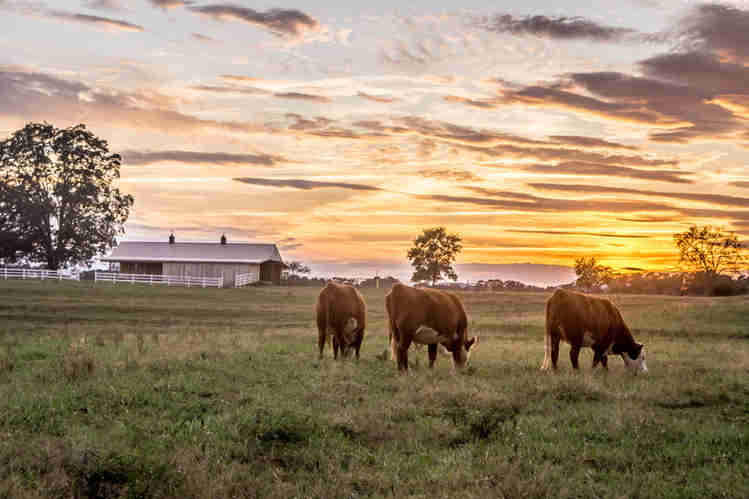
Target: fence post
[(151, 279)]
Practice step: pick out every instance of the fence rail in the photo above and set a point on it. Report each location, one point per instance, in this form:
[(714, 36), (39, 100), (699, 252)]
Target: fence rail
[(245, 279), (169, 280), (41, 274)]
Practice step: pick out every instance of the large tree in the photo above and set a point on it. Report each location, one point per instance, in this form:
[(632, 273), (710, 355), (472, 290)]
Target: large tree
[(591, 274), (433, 254), (58, 199), (708, 249), (298, 268)]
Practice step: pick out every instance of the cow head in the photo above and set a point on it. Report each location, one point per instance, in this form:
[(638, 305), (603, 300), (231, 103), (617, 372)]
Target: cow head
[(349, 336), (634, 358), (462, 352)]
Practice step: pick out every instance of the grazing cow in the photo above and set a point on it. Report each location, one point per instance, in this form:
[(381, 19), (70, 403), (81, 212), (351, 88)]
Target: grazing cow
[(429, 317), (588, 321), (341, 314)]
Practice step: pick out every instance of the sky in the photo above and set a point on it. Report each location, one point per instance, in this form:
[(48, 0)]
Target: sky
[(340, 130)]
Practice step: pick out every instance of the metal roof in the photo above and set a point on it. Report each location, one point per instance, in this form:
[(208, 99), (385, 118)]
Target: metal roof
[(132, 251)]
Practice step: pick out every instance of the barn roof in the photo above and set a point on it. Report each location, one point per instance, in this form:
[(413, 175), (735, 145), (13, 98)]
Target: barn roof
[(131, 251)]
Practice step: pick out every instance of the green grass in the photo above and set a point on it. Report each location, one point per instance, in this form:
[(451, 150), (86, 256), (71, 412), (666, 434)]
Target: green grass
[(134, 391)]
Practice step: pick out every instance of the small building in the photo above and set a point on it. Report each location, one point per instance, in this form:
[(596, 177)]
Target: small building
[(262, 261)]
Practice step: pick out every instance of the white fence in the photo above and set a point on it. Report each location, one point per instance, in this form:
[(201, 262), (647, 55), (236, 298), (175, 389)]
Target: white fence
[(169, 280), (57, 275), (245, 279)]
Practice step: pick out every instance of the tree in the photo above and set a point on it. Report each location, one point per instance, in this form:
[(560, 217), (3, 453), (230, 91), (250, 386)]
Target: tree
[(58, 201), (433, 254), (590, 274), (298, 268), (708, 249)]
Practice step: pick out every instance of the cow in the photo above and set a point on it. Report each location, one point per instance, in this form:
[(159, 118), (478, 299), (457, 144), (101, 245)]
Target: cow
[(341, 314), (428, 317), (588, 321)]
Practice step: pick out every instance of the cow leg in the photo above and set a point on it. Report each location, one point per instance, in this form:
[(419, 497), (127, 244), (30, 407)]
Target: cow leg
[(403, 353), (432, 349), (599, 356), (335, 348), (357, 347), (574, 354), (554, 350), (321, 340)]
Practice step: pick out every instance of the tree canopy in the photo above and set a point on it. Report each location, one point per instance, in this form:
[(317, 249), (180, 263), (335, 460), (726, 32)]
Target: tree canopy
[(709, 249), (591, 274), (433, 254), (58, 200), (298, 268)]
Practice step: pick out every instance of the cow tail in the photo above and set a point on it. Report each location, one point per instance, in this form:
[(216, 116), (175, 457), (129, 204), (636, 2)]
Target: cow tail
[(391, 330), (548, 330)]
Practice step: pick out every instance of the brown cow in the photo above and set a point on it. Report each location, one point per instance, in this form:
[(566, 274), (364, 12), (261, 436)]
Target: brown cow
[(588, 321), (342, 314), (429, 317)]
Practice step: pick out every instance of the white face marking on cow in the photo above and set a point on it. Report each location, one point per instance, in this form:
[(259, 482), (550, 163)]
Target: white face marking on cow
[(638, 364)]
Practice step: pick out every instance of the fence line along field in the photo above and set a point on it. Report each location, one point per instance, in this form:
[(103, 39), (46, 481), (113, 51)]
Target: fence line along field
[(140, 391)]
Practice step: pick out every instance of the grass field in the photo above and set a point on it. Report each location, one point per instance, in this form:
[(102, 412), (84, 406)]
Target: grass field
[(135, 391)]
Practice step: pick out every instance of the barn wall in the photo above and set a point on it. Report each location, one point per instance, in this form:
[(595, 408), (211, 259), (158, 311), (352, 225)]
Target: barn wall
[(229, 270), (270, 272)]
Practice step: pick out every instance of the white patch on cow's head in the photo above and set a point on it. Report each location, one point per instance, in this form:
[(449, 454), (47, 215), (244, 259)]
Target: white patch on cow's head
[(463, 352), (349, 328), (637, 364)]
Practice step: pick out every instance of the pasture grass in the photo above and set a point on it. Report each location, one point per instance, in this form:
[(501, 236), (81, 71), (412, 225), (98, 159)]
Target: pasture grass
[(134, 391)]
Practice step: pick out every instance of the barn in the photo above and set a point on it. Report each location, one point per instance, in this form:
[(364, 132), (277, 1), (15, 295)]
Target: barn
[(261, 261)]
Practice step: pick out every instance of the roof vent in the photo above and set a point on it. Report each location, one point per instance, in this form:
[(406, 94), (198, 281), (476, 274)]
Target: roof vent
[(223, 238), (171, 238)]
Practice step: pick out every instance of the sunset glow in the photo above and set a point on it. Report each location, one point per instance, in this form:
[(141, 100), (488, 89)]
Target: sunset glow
[(539, 132)]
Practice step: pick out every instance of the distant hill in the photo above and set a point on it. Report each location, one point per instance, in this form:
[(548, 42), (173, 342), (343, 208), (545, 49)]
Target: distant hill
[(527, 273)]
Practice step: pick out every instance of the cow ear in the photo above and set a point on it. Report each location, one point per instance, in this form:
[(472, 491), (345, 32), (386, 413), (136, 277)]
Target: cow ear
[(472, 342)]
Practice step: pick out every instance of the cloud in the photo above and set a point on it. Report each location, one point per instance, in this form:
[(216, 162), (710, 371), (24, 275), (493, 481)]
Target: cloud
[(33, 95), (717, 28), (451, 174), (561, 28), (304, 184), (539, 204), (719, 199), (203, 38), (169, 4), (102, 4), (592, 142), (580, 233), (703, 71), (584, 168), (96, 21), (286, 23), (220, 89), (301, 96), (376, 98), (218, 158)]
